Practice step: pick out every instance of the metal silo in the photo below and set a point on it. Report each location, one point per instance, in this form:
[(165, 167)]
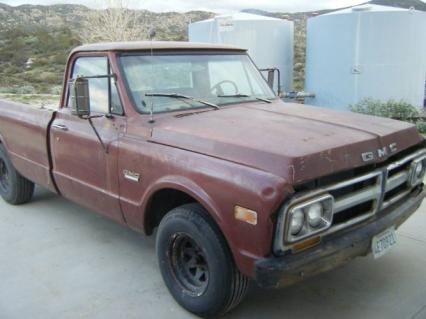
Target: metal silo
[(269, 40), (366, 51)]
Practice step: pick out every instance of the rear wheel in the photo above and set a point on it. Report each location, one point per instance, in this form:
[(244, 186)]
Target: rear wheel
[(196, 263), (14, 188)]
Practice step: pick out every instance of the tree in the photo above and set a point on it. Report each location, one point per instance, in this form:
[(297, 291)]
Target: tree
[(114, 22)]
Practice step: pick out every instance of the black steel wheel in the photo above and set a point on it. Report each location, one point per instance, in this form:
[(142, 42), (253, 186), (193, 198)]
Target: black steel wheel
[(189, 264), (196, 263), (14, 188)]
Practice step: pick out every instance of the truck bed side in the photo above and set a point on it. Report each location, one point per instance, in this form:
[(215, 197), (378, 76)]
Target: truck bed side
[(24, 133)]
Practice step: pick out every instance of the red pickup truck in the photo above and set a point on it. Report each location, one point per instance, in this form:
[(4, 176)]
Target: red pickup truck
[(189, 138)]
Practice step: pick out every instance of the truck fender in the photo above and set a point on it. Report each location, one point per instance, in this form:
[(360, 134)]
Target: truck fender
[(3, 142), (184, 185)]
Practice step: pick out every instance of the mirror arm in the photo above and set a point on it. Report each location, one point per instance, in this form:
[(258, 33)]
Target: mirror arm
[(105, 76), (89, 118), (98, 136)]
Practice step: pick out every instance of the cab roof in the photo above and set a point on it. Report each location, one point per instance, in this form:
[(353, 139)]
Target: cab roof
[(155, 45)]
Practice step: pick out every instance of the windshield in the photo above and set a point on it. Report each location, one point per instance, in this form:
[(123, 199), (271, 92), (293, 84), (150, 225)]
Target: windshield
[(218, 79)]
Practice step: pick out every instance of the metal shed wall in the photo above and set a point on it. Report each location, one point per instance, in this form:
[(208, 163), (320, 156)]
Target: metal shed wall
[(367, 51), (269, 41)]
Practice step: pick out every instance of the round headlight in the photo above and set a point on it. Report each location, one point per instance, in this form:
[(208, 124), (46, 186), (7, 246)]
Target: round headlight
[(315, 212), (419, 170), (296, 223)]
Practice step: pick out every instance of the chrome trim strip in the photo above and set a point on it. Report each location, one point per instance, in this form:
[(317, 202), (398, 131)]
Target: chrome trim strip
[(131, 176), (352, 181), (354, 199), (406, 159), (395, 198), (396, 180)]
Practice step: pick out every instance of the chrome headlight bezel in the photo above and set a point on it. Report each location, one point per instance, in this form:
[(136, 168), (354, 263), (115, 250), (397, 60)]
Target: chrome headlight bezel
[(327, 203), (284, 238), (414, 179)]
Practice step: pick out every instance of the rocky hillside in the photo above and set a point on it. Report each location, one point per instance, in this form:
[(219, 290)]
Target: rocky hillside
[(170, 25), (35, 40)]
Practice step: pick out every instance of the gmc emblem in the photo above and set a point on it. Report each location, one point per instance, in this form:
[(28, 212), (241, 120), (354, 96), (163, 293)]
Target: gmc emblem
[(381, 152)]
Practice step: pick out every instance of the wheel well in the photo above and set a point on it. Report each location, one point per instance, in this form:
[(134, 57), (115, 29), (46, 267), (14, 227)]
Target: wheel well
[(161, 203)]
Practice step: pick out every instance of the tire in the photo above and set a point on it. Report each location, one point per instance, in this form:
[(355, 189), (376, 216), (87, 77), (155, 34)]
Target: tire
[(14, 188), (188, 239)]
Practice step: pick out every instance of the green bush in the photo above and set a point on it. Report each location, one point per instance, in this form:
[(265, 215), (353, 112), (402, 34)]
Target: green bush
[(47, 77), (27, 89), (5, 90), (47, 46), (56, 90), (421, 127), (398, 110)]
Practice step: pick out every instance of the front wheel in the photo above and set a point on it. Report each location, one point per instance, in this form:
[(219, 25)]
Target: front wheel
[(196, 263), (14, 188)]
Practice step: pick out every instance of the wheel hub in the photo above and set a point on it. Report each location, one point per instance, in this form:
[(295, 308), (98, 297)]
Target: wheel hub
[(189, 264)]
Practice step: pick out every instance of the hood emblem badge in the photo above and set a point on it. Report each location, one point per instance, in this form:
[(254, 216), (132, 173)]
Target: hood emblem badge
[(379, 153), (131, 176)]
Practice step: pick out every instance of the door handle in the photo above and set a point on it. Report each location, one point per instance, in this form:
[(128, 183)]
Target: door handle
[(61, 127)]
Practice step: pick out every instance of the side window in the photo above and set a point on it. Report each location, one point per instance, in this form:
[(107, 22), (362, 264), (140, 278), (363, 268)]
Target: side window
[(103, 91)]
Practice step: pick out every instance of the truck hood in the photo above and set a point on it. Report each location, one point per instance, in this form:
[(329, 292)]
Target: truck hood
[(293, 141)]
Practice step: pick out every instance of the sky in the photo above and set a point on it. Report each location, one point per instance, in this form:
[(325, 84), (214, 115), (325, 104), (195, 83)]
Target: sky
[(221, 6)]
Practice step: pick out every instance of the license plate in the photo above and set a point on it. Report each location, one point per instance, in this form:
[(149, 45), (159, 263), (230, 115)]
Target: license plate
[(383, 242)]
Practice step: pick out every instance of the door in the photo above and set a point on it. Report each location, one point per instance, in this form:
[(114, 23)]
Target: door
[(86, 172)]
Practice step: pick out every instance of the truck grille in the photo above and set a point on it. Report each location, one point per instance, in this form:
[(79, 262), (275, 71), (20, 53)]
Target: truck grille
[(357, 194), (360, 200), (360, 197)]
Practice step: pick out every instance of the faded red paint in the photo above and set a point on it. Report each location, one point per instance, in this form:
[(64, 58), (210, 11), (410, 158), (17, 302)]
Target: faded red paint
[(251, 155)]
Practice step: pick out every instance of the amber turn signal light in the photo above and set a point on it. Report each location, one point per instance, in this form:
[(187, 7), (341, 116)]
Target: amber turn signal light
[(308, 243), (246, 215)]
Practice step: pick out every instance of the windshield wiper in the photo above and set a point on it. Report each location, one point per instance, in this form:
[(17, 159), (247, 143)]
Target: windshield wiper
[(182, 96), (234, 95), (245, 95)]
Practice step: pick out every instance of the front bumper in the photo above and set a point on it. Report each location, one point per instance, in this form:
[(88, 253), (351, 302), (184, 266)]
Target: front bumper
[(335, 250)]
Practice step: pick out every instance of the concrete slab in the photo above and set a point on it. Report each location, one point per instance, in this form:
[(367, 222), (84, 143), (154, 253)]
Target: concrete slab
[(58, 260)]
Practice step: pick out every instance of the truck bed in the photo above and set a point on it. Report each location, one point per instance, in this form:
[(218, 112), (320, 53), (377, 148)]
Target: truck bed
[(24, 133)]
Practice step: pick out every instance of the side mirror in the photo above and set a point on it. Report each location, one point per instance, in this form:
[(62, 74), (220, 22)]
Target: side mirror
[(271, 78), (80, 97)]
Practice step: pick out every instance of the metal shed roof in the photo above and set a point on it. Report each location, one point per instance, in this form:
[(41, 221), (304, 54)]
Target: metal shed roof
[(367, 8)]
